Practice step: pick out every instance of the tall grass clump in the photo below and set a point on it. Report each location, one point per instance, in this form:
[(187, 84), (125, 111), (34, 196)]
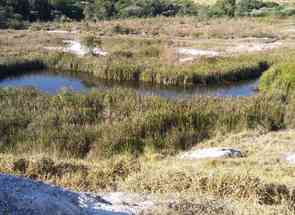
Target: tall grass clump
[(279, 77), (98, 125), (124, 66), (63, 125)]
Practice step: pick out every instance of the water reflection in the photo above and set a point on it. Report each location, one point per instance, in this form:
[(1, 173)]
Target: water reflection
[(53, 82)]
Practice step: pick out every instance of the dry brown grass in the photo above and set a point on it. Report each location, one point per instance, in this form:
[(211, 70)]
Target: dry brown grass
[(165, 35), (264, 160), (227, 186), (177, 31)]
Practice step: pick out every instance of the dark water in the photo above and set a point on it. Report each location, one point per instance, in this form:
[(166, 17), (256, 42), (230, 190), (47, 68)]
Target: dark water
[(46, 82), (54, 82)]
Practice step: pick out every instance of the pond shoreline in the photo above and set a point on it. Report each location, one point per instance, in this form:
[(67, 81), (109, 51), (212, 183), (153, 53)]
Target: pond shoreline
[(52, 82), (227, 83)]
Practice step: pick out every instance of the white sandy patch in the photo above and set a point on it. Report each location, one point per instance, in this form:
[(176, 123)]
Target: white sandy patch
[(291, 30), (236, 47), (98, 51), (253, 47), (62, 32), (58, 32), (190, 54), (75, 47), (196, 52), (210, 153), (21, 196), (290, 158)]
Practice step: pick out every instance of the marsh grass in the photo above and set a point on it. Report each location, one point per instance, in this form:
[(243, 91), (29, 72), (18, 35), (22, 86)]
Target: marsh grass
[(280, 77), (100, 124), (122, 66)]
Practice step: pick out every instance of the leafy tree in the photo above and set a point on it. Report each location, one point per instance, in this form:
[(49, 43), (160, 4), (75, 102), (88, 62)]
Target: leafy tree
[(40, 10), (70, 8), (21, 7), (105, 8), (89, 10), (3, 17), (244, 7)]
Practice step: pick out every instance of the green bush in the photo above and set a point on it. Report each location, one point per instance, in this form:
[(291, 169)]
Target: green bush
[(244, 7), (278, 11), (131, 11)]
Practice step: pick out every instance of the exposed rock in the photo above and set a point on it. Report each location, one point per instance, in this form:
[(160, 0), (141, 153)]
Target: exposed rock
[(20, 196), (211, 153)]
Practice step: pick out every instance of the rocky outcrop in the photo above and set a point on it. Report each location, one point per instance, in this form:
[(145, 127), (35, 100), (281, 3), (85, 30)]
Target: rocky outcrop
[(210, 153), (21, 196)]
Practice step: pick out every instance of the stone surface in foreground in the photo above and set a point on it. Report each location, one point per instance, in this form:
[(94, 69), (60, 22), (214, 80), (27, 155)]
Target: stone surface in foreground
[(21, 196), (210, 153)]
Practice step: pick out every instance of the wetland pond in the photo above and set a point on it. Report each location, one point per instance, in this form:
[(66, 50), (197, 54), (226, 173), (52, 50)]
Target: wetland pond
[(53, 82)]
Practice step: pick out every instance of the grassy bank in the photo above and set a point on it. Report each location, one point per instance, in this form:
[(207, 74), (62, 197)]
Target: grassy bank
[(121, 68), (98, 125), (280, 77)]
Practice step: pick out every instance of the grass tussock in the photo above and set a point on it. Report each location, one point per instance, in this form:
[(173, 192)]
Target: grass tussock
[(280, 77), (97, 124)]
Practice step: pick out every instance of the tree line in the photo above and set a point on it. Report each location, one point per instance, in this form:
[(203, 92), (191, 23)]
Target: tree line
[(15, 11)]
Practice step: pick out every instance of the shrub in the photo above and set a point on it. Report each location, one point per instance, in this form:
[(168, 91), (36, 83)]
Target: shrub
[(132, 11), (20, 165), (244, 7), (90, 41), (150, 51), (119, 29), (224, 7), (45, 166)]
